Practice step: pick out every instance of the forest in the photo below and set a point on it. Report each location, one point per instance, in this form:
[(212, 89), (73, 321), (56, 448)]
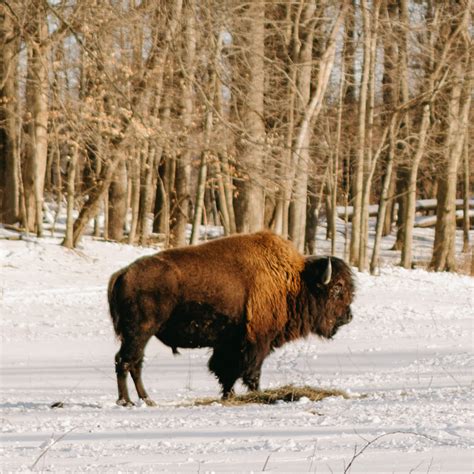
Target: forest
[(150, 117)]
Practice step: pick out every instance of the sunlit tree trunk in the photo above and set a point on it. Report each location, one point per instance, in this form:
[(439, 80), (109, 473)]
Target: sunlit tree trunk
[(71, 180), (118, 202), (309, 113), (250, 215), (146, 198), (37, 100), (183, 164), (135, 195), (466, 196), (370, 161), (301, 154), (9, 121), (384, 196), (439, 56), (358, 178), (445, 232), (202, 178)]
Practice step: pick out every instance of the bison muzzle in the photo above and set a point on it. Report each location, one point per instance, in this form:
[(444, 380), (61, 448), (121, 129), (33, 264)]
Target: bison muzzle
[(242, 296)]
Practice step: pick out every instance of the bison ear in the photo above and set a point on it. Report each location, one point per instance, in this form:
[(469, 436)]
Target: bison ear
[(326, 278)]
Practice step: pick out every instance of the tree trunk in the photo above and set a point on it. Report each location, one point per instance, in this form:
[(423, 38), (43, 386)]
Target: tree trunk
[(135, 195), (384, 197), (335, 163), (370, 161), (358, 183), (221, 197), (9, 166), (445, 232), (394, 76), (410, 201), (37, 93), (118, 202), (439, 56), (229, 191), (202, 178), (300, 156), (71, 180), (251, 204), (147, 192), (301, 201), (183, 165), (313, 204), (466, 196), (92, 206)]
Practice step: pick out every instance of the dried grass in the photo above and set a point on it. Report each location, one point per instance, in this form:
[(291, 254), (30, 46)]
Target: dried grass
[(287, 393)]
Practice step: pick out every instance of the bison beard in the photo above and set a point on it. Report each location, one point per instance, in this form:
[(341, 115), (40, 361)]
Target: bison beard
[(242, 296)]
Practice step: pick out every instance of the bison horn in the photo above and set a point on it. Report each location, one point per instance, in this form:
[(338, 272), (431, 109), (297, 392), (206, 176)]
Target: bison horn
[(328, 273)]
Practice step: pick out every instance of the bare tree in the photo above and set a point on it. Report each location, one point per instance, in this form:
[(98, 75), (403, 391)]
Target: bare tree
[(458, 107), (37, 105), (308, 114), (434, 82), (9, 119), (249, 90)]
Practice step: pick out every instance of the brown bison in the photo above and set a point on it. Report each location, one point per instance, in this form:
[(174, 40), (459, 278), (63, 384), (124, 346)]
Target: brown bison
[(242, 296)]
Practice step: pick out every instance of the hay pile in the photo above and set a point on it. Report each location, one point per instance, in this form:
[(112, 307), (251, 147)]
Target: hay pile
[(287, 393)]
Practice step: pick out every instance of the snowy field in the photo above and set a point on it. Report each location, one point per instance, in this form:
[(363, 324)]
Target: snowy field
[(406, 360)]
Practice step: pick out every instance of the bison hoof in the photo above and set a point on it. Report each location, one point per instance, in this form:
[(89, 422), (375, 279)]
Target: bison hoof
[(149, 402), (121, 402), (228, 395)]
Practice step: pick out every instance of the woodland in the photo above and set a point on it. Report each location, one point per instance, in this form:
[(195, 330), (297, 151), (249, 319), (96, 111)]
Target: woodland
[(147, 118)]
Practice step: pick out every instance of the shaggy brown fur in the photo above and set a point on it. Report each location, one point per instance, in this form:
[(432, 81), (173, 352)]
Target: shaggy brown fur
[(242, 295)]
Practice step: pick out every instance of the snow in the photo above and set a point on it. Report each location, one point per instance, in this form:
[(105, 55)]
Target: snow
[(406, 360)]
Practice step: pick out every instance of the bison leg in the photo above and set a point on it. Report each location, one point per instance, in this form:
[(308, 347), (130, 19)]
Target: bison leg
[(251, 378), (136, 372), (225, 364), (130, 359), (252, 361), (121, 369)]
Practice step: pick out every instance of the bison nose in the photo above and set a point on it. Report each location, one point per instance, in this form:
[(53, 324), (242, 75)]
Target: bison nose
[(348, 318)]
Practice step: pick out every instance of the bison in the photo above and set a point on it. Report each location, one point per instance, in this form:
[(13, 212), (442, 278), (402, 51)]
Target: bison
[(242, 296)]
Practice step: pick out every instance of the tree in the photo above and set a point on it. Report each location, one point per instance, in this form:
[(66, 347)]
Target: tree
[(249, 91), (435, 79), (311, 107), (458, 107), (37, 87), (9, 118)]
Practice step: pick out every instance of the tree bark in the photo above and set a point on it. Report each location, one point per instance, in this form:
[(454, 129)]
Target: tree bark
[(37, 94), (370, 161), (9, 166), (150, 164), (118, 202), (92, 206), (251, 145), (358, 183), (135, 195), (443, 258), (466, 196), (202, 178), (410, 201), (71, 180), (312, 107), (182, 196), (384, 197)]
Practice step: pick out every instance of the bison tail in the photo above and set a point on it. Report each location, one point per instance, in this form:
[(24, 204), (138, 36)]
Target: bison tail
[(115, 284)]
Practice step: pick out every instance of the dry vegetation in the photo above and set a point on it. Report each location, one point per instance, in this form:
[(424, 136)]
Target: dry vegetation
[(287, 393)]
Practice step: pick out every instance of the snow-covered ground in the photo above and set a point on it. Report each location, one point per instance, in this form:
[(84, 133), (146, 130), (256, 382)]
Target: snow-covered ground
[(406, 359)]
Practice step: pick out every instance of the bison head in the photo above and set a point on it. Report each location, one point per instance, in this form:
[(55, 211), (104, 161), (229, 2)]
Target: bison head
[(330, 286)]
